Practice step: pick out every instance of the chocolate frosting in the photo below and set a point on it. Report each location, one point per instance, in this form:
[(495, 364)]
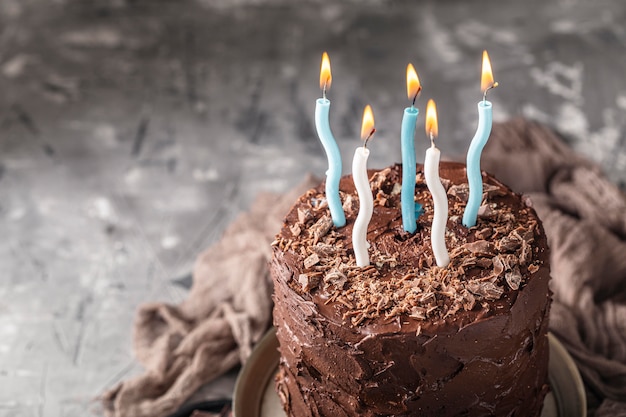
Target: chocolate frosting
[(404, 337)]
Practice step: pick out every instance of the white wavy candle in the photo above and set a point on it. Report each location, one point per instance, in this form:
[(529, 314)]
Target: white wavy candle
[(366, 206), (440, 202)]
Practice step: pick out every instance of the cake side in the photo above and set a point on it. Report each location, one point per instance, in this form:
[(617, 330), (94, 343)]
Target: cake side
[(404, 336)]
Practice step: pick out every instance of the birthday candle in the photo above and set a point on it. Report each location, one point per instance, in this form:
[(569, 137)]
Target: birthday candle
[(410, 208), (362, 185), (322, 125), (474, 176), (440, 198)]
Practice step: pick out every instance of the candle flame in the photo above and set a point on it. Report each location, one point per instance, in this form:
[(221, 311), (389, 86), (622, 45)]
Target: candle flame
[(413, 86), (367, 127), (486, 79), (432, 128), (326, 76)]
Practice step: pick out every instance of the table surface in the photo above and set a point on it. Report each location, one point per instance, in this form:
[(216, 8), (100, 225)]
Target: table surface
[(132, 132)]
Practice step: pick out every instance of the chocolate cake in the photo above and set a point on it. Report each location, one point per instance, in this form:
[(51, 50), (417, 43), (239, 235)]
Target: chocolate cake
[(404, 337)]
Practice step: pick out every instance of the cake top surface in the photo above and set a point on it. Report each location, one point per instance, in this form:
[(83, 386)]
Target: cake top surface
[(488, 262)]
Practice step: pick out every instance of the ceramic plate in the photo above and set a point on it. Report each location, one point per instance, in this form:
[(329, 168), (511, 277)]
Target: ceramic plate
[(255, 396)]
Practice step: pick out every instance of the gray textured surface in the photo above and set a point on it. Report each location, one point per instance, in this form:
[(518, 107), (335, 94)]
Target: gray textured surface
[(131, 133)]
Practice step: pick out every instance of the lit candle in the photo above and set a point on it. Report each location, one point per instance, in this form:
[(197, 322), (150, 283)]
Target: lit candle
[(474, 176), (362, 185), (410, 209), (440, 198), (322, 125)]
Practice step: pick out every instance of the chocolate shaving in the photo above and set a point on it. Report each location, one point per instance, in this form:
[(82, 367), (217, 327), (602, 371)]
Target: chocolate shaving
[(323, 250), (484, 233), (335, 279), (350, 204), (514, 278), (452, 310), (525, 253), (321, 228), (468, 300), (510, 260), (510, 243), (492, 191), (480, 248), (485, 289), (313, 259), (381, 199), (383, 303), (304, 215), (469, 261), (460, 191), (309, 281), (377, 182), (485, 211), (484, 263), (295, 229), (418, 313), (498, 265), (527, 234), (458, 252)]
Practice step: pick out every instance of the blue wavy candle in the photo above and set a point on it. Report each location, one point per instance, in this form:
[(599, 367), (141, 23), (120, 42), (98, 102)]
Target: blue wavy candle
[(410, 209), (333, 174), (407, 197), (322, 125), (474, 175)]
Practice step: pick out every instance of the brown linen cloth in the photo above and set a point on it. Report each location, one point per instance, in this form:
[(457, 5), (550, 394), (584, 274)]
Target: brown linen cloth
[(229, 306)]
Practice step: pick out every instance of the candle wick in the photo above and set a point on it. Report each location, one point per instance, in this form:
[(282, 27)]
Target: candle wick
[(417, 93), (432, 140), (369, 137), (494, 85), (324, 91)]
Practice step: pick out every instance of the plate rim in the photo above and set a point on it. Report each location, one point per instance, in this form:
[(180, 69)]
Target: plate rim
[(253, 364), (561, 359)]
